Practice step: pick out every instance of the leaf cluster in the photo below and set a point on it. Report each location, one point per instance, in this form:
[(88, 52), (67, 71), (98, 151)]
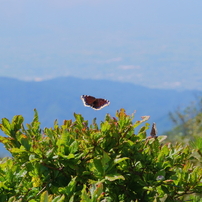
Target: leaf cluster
[(76, 161)]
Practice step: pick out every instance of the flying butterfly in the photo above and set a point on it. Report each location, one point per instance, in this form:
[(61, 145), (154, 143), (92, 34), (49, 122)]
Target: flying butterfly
[(95, 103)]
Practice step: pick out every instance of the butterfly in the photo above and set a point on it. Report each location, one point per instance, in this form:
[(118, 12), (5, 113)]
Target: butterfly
[(95, 103), (153, 132)]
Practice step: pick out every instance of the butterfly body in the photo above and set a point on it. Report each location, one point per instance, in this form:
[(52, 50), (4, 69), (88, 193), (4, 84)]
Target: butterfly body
[(95, 103)]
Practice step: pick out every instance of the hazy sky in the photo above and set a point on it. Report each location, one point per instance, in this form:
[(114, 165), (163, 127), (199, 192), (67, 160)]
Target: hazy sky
[(152, 43)]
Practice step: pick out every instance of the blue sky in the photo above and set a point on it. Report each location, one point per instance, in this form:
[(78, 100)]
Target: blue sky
[(157, 44)]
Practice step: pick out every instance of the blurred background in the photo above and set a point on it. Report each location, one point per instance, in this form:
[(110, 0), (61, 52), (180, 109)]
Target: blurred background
[(141, 55)]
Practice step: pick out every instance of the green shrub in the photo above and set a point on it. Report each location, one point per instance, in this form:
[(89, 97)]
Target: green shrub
[(89, 163)]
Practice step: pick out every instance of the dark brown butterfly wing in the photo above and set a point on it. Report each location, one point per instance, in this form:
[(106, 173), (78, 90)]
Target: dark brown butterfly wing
[(88, 100), (95, 103), (99, 103)]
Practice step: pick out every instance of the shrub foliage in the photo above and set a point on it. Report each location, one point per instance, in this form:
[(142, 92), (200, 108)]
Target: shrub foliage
[(90, 163)]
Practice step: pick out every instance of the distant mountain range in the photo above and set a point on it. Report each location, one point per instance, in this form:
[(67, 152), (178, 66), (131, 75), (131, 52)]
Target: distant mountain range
[(60, 98)]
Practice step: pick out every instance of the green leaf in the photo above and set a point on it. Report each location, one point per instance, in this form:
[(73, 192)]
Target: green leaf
[(5, 140), (70, 156), (12, 199), (25, 142), (84, 195), (36, 116), (50, 153), (144, 118), (105, 126), (44, 197), (5, 126), (105, 160), (98, 165), (161, 138), (58, 199), (164, 152), (17, 122), (113, 177), (74, 147), (118, 160), (79, 118), (96, 191), (17, 150)]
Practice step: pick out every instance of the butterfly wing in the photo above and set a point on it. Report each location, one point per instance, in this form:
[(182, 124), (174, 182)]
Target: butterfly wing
[(88, 100), (99, 103)]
